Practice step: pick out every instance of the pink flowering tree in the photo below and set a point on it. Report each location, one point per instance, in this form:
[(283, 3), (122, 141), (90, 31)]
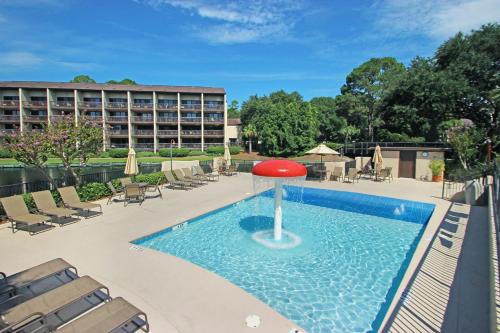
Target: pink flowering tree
[(71, 142)]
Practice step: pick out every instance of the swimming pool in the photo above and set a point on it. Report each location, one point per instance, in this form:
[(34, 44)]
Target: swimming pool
[(354, 250)]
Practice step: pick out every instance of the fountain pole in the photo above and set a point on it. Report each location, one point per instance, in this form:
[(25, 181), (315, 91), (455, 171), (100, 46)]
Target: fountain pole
[(278, 194)]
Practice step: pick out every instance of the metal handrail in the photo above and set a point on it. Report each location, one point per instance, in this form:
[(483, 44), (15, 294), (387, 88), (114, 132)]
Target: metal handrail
[(166, 120), (168, 132), (9, 103)]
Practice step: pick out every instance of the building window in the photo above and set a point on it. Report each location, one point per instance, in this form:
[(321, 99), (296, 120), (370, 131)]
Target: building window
[(38, 98), (65, 99), (92, 99), (11, 98), (118, 100), (143, 101)]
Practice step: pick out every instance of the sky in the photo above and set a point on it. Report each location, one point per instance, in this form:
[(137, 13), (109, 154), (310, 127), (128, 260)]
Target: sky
[(247, 47)]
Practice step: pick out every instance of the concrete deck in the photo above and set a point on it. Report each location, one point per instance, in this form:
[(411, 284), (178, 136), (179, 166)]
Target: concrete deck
[(177, 295)]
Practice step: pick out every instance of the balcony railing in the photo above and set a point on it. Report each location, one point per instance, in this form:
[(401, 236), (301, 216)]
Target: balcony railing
[(214, 144), (191, 119), (191, 133), (35, 129), (213, 133), (208, 107), (9, 104), (146, 146), (121, 132), (214, 120), (118, 145), (63, 104), (190, 107), (8, 131), (35, 118), (57, 117), (167, 133), (191, 145), (36, 104), (144, 132), (142, 105), (117, 119), (90, 105), (139, 119), (9, 119), (170, 120), (167, 145), (166, 106), (93, 119), (116, 105)]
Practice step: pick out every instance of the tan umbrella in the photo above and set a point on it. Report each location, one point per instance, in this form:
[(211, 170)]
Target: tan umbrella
[(377, 158), (131, 167), (322, 150), (227, 155)]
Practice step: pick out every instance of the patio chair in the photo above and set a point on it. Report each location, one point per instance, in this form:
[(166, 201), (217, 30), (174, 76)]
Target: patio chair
[(232, 170), (125, 181), (210, 176), (38, 309), (114, 193), (47, 206), (389, 171), (180, 176), (188, 174), (172, 182), (133, 192), (20, 217), (337, 174), (109, 317), (155, 188), (72, 200), (384, 174), (352, 175), (367, 171)]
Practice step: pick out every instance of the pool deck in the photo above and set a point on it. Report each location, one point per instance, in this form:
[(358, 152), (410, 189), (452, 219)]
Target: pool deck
[(179, 296)]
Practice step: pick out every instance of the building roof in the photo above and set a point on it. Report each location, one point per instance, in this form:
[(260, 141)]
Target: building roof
[(109, 87), (234, 121)]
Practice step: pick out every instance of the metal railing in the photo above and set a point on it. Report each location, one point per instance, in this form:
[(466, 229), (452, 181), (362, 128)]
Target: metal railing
[(167, 133), (144, 132), (142, 105), (213, 133), (117, 132), (214, 120), (9, 104), (166, 106), (191, 145), (117, 119), (36, 118), (10, 119), (366, 148), (190, 107), (37, 104), (145, 146), (191, 132), (63, 104), (166, 120), (117, 145), (90, 105), (454, 181), (214, 144), (208, 107), (140, 119), (191, 119), (116, 105)]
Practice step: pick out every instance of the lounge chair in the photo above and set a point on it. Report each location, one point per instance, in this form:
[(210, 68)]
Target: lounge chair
[(20, 217), (37, 309), (47, 206), (172, 182), (155, 188), (180, 176), (337, 173), (109, 317), (72, 200), (133, 193), (125, 181), (389, 171), (384, 174), (188, 174), (210, 176), (231, 170), (352, 175), (114, 193)]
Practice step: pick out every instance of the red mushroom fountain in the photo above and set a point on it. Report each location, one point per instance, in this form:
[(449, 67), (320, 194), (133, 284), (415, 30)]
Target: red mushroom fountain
[(279, 170)]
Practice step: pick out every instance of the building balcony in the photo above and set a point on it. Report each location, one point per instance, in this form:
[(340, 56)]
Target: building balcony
[(39, 130), (60, 117), (160, 106), (116, 106), (219, 108), (191, 145), (140, 132), (213, 133), (8, 131), (191, 120), (117, 145), (9, 119), (144, 146), (142, 120), (117, 132), (214, 121), (191, 107), (117, 119), (191, 133), (143, 106), (167, 145), (35, 104), (63, 105), (214, 144), (93, 119), (90, 105), (166, 120), (35, 118), (9, 104), (167, 133)]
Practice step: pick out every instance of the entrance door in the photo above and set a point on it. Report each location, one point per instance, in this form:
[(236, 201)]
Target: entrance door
[(407, 164)]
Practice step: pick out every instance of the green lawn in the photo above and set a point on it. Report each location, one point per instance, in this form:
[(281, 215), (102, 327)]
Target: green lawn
[(97, 160)]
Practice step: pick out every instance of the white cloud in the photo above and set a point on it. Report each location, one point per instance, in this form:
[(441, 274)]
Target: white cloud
[(436, 18), (19, 59), (238, 21)]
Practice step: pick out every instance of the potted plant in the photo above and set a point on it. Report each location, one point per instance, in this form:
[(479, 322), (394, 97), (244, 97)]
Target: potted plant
[(437, 169)]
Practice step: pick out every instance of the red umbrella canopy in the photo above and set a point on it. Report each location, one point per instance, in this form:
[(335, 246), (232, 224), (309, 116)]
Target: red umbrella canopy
[(279, 169)]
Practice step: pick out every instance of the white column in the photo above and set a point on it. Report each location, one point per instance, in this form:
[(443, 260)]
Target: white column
[(225, 119), (202, 122), (155, 149), (21, 110), (129, 114), (49, 107), (278, 194), (104, 126), (77, 113), (179, 120)]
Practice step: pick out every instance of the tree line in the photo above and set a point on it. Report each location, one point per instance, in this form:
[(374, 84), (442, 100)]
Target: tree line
[(87, 79)]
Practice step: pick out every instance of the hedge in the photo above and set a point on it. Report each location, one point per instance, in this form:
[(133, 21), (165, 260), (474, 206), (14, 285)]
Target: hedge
[(5, 153), (146, 154), (176, 152), (150, 178), (220, 150), (118, 152), (196, 153)]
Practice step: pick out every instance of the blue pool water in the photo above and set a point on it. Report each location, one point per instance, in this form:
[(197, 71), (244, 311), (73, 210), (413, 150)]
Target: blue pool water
[(354, 251)]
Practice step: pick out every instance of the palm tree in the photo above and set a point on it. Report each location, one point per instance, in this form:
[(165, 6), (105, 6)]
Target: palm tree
[(250, 132), (348, 132)]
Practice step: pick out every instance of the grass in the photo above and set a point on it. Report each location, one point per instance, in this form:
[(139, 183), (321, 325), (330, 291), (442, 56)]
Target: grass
[(100, 160)]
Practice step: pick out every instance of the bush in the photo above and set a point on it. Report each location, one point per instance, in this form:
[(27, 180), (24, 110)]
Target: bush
[(333, 145), (118, 152), (93, 191), (5, 153), (150, 178), (437, 167), (196, 153), (234, 150), (176, 152), (104, 154), (146, 154), (215, 151)]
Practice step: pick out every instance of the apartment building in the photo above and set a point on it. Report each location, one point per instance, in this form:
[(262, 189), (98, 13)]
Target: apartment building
[(144, 117)]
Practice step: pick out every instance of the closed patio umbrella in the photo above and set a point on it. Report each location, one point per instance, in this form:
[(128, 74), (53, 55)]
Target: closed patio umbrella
[(227, 155), (131, 167), (377, 158), (322, 150)]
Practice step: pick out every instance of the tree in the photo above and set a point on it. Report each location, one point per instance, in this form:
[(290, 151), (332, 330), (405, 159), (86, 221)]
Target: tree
[(250, 132), (124, 81), (68, 141), (348, 132), (330, 123), (82, 79), (371, 81), (232, 110), (465, 140)]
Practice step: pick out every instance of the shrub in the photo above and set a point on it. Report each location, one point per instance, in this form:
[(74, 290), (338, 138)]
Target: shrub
[(234, 150), (117, 184), (215, 151), (5, 153), (150, 178), (437, 167), (176, 152), (93, 191), (146, 154), (104, 154), (333, 145), (118, 152), (196, 153)]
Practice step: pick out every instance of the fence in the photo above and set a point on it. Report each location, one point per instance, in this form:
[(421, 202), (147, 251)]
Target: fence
[(454, 182), (366, 148)]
